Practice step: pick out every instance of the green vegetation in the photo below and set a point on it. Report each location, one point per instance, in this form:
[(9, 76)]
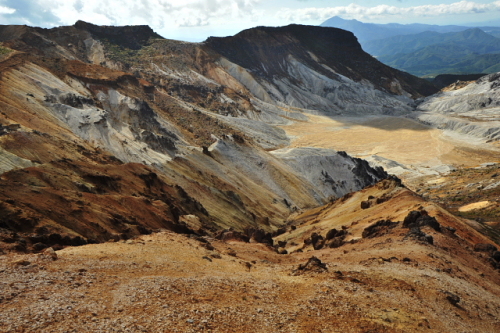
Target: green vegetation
[(431, 64), (475, 40), (430, 53), (122, 53), (4, 50)]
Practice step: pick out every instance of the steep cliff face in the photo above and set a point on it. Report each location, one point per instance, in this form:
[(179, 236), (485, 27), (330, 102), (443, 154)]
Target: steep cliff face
[(316, 68), (265, 51)]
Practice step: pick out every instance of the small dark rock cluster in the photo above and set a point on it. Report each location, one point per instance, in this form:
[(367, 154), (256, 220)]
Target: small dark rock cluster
[(482, 247), (39, 241), (492, 251), (232, 235), (249, 235), (203, 242), (333, 239), (419, 235), (372, 201), (417, 219)]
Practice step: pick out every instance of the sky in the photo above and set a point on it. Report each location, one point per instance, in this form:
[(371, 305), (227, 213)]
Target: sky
[(195, 20)]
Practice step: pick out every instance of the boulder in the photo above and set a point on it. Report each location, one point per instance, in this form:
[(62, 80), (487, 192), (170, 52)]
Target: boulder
[(331, 234), (51, 253), (420, 218), (378, 229), (313, 264), (317, 241), (319, 244)]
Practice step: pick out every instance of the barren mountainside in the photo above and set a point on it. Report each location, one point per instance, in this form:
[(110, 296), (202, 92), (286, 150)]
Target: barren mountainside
[(78, 100), (149, 184)]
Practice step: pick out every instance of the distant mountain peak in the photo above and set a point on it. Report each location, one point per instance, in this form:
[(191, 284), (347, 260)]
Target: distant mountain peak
[(339, 19), (473, 33)]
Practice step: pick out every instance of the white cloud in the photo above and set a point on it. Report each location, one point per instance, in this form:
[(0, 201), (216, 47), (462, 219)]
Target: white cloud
[(7, 10), (197, 19), (369, 13), (157, 13)]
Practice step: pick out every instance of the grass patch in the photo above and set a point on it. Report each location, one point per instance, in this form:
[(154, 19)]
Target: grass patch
[(127, 55), (4, 50)]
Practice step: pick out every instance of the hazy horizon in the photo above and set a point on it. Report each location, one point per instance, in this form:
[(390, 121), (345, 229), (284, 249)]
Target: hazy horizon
[(195, 20)]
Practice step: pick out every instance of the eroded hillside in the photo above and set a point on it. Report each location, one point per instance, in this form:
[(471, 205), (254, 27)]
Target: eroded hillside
[(212, 213), (203, 122)]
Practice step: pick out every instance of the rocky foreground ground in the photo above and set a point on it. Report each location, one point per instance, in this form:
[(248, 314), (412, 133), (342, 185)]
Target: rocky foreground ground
[(383, 280)]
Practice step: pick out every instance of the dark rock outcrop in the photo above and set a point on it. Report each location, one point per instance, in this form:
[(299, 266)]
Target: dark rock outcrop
[(420, 218), (332, 234), (259, 236), (336, 242), (379, 228), (39, 246), (313, 265), (317, 241)]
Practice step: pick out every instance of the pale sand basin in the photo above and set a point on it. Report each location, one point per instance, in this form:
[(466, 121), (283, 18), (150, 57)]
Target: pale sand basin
[(396, 138), (475, 205)]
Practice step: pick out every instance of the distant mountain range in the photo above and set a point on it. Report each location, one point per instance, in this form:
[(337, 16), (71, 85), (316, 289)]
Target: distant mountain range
[(372, 31), (431, 53), (428, 50), (474, 39)]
